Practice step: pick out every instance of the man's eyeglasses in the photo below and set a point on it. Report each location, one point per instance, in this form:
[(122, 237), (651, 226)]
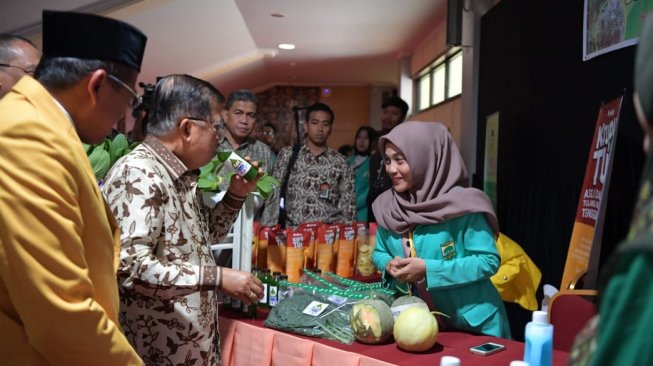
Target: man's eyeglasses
[(136, 99), (217, 125), (29, 72)]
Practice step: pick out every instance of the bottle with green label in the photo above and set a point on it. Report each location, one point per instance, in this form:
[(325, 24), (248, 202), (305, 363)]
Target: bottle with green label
[(273, 289), (241, 166), (264, 276), (250, 310)]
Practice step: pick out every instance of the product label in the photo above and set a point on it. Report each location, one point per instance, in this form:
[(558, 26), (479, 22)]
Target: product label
[(273, 295), (239, 166), (315, 308), (235, 303), (338, 300), (398, 309), (264, 299)]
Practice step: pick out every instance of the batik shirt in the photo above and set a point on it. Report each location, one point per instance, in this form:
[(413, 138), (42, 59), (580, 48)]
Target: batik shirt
[(320, 188), (167, 275)]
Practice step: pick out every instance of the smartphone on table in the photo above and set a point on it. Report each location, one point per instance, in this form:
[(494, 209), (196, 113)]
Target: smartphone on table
[(487, 349)]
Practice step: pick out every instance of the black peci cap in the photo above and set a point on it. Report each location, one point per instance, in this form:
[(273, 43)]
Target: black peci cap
[(93, 37)]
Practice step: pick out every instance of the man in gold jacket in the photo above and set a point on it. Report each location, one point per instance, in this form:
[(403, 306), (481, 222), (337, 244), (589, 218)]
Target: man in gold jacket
[(58, 242)]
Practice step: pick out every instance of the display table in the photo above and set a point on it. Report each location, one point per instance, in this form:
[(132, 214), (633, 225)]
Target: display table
[(247, 342)]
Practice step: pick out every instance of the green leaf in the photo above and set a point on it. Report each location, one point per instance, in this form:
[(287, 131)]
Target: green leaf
[(100, 161), (207, 184), (211, 180), (117, 147), (272, 180), (228, 176), (207, 169), (87, 148), (266, 185)]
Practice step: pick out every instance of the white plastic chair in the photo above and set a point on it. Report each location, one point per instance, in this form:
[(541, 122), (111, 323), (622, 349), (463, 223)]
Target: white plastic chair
[(239, 238)]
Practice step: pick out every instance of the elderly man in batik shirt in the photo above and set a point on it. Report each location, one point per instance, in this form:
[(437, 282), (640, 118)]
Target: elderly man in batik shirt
[(321, 183), (167, 275)]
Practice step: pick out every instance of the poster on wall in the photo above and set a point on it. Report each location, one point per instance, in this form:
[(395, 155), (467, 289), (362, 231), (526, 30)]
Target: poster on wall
[(491, 157), (593, 196), (609, 25)]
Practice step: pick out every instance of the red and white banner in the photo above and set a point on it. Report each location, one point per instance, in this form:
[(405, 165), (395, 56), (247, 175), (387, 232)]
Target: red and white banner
[(594, 195)]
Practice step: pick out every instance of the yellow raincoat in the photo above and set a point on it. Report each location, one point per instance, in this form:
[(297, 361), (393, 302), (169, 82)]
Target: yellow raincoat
[(518, 277)]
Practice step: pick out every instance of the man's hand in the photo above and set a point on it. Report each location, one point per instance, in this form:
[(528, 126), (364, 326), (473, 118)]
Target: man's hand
[(241, 285), (241, 187)]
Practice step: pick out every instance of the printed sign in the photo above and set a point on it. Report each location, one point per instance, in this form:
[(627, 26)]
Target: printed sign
[(593, 195)]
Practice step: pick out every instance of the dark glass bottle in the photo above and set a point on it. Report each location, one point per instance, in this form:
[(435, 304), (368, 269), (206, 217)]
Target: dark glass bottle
[(284, 290), (240, 165), (264, 276), (273, 289), (250, 310)]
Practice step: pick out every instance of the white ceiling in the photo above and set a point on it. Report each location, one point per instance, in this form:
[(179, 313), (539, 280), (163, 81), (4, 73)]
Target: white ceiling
[(233, 43)]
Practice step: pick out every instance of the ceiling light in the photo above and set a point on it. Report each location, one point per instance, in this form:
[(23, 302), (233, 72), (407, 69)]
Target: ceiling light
[(286, 46), (277, 15)]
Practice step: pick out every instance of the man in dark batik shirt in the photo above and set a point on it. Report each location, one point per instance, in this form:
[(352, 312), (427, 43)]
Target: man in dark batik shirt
[(321, 183)]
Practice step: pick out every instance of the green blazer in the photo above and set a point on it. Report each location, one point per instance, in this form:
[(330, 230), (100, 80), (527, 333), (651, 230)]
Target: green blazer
[(460, 256)]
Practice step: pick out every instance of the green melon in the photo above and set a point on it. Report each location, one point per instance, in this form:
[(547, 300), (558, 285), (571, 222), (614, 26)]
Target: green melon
[(371, 321)]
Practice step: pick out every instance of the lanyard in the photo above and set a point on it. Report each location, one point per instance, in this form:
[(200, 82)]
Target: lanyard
[(411, 245)]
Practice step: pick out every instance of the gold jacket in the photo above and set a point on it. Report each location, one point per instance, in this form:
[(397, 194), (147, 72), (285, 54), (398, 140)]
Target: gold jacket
[(58, 242)]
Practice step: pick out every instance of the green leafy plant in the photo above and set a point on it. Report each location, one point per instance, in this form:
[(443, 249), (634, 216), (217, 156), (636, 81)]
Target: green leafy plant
[(209, 180), (103, 156)]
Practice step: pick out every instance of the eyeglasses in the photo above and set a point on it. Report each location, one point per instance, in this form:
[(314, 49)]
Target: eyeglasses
[(136, 99), (29, 72), (217, 125)]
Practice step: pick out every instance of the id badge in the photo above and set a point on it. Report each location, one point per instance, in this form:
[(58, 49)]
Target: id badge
[(325, 191)]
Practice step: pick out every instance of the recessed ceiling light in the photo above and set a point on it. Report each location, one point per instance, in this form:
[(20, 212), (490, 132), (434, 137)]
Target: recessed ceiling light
[(286, 46), (278, 15)]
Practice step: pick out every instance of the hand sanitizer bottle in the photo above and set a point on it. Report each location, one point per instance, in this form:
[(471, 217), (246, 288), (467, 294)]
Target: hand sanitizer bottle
[(539, 341)]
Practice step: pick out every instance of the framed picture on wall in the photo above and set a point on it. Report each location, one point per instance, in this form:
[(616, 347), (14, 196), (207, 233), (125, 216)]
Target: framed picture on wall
[(609, 25)]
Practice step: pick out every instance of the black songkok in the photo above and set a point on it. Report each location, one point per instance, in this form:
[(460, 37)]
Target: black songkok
[(92, 37)]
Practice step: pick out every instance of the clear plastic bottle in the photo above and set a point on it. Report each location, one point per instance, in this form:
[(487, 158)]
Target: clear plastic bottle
[(241, 166), (449, 361), (539, 341)]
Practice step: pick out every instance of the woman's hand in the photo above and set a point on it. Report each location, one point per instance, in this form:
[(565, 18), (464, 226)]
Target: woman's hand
[(241, 187), (392, 266), (242, 285), (407, 269)]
